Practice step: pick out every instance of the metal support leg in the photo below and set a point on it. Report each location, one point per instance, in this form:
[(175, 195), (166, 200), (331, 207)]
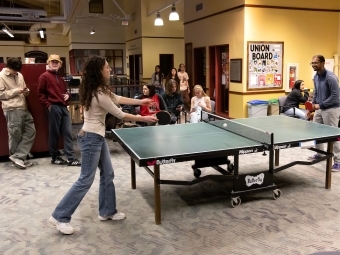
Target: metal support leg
[(157, 191), (133, 174), (277, 157), (328, 182)]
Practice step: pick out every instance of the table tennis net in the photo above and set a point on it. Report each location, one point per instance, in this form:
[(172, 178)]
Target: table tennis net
[(244, 130)]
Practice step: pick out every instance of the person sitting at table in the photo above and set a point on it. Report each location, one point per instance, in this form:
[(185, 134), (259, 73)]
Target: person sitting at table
[(295, 97), (198, 103), (173, 99), (158, 104)]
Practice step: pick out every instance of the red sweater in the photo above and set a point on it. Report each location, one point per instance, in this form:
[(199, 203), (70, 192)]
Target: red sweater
[(51, 89)]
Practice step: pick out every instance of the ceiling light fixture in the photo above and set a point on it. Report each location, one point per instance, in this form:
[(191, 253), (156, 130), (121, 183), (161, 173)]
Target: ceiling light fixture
[(92, 32), (158, 20), (6, 30), (173, 15), (41, 32)]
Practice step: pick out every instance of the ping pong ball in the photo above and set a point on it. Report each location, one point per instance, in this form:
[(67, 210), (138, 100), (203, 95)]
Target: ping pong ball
[(225, 125)]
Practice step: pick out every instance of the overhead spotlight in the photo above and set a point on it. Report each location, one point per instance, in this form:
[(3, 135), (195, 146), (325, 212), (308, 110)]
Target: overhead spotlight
[(158, 20), (41, 32), (6, 30), (92, 32), (173, 15)]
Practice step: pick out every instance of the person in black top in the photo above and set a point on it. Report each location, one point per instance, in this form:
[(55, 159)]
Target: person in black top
[(295, 97), (173, 99)]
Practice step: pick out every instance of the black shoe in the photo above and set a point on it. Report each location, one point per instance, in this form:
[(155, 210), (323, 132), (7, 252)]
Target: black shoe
[(58, 161), (73, 162)]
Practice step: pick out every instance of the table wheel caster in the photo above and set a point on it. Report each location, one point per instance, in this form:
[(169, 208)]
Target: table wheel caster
[(230, 168), (235, 202), (197, 173), (276, 194)]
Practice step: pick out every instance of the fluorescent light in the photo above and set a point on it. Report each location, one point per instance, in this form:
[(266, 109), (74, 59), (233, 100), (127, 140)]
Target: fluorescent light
[(158, 20), (173, 15), (7, 32), (92, 32), (41, 31)]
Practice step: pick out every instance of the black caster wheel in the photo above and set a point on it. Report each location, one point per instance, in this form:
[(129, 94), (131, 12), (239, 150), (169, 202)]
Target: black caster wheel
[(230, 168), (276, 194), (197, 173), (235, 202)]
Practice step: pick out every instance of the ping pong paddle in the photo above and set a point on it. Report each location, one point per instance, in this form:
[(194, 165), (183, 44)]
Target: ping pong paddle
[(163, 117), (309, 106)]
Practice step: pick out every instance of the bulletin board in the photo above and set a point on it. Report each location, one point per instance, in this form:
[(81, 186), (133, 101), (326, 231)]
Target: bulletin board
[(265, 65)]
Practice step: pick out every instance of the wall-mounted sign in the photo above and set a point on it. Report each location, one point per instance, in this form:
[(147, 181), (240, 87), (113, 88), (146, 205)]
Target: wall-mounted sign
[(265, 65)]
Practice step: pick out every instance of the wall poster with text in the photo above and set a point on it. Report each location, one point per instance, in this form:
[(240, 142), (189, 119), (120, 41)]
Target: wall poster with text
[(265, 65)]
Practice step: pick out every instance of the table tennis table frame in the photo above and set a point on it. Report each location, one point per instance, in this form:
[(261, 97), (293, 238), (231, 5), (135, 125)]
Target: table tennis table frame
[(235, 177)]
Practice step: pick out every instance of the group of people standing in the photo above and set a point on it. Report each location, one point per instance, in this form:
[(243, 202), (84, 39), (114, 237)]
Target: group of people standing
[(53, 95), (175, 95)]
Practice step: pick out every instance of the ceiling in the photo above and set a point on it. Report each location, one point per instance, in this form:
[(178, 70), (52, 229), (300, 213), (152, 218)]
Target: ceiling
[(13, 14)]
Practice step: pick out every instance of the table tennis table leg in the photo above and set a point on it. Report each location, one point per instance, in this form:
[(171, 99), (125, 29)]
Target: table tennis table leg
[(157, 194), (277, 157), (328, 182), (133, 174)]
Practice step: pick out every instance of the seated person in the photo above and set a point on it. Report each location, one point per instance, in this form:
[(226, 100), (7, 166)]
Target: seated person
[(173, 99), (293, 100), (198, 103), (149, 91)]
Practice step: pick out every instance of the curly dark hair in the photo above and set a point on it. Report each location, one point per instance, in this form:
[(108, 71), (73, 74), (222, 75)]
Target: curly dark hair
[(92, 81)]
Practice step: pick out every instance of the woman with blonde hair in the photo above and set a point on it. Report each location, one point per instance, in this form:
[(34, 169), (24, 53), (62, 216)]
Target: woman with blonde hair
[(200, 102)]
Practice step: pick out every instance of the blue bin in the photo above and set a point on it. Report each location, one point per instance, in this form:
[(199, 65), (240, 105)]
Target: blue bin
[(257, 108)]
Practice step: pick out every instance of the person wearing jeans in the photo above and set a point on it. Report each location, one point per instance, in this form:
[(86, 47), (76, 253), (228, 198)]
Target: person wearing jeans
[(326, 104), (295, 97), (97, 100)]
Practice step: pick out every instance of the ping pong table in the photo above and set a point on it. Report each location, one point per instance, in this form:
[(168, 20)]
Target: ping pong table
[(209, 144)]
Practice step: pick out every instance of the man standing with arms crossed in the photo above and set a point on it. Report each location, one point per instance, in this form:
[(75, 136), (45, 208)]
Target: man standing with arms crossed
[(20, 124), (52, 94), (326, 103)]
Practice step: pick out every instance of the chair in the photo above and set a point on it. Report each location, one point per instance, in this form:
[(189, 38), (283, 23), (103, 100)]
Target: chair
[(210, 118), (282, 100)]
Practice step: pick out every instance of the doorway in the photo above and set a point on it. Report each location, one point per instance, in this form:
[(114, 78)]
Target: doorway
[(200, 67), (219, 76), (166, 61), (135, 65)]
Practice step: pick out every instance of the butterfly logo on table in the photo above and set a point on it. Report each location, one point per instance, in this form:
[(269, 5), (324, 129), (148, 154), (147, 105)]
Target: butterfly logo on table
[(152, 163)]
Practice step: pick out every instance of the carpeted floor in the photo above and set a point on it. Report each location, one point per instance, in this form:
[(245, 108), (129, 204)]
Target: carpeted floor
[(196, 219)]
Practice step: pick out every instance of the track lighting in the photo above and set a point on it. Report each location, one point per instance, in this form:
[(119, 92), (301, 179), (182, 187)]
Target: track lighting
[(6, 30), (158, 20), (41, 32), (173, 15)]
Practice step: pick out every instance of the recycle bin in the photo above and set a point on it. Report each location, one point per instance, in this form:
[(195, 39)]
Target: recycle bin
[(257, 108), (273, 107)]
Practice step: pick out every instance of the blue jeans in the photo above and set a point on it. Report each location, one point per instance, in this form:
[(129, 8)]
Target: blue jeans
[(94, 153), (301, 114)]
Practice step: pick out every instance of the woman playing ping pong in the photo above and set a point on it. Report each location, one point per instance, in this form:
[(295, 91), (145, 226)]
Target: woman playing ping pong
[(97, 100)]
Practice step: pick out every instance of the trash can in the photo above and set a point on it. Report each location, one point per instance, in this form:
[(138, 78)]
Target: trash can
[(257, 108), (273, 107)]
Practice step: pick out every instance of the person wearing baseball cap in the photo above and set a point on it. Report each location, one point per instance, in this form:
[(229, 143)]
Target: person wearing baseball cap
[(53, 95)]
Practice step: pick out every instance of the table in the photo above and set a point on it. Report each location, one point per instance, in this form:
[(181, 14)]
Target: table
[(209, 144)]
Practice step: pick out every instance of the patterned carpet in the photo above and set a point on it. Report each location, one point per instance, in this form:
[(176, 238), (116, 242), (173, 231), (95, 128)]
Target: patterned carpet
[(196, 219)]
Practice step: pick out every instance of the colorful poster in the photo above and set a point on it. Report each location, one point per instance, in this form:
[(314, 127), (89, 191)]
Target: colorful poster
[(265, 65)]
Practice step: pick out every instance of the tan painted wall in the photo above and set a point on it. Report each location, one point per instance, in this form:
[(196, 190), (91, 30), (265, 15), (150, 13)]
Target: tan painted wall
[(304, 34)]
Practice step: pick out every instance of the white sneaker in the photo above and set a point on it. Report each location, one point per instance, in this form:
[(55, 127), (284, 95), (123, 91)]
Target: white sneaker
[(28, 163), (17, 162), (65, 228), (116, 216), (53, 221)]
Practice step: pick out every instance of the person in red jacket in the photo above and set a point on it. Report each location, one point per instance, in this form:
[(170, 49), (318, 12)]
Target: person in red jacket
[(53, 95)]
